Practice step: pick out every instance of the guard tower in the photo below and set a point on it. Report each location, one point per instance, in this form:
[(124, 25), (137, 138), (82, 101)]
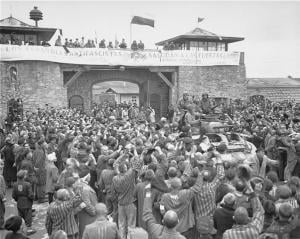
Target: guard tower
[(199, 39), (16, 32)]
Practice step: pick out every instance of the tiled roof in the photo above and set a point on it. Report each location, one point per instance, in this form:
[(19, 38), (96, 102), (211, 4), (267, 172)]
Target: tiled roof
[(201, 34), (273, 82), (13, 22)]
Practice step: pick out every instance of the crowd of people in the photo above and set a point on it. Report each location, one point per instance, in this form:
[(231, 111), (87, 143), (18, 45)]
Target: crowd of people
[(82, 43), (122, 173), (102, 44)]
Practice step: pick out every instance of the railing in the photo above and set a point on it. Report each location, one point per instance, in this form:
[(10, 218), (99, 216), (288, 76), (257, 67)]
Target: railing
[(126, 57)]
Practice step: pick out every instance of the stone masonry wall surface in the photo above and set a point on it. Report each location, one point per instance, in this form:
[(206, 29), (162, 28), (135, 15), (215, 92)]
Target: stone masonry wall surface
[(217, 81), (39, 83)]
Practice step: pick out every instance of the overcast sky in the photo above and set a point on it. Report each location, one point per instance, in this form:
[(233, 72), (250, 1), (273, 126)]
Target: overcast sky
[(271, 29)]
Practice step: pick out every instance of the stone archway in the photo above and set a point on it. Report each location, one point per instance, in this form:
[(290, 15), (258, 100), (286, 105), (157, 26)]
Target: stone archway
[(148, 83)]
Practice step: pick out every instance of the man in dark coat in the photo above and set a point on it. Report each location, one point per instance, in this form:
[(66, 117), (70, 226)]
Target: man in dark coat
[(23, 195), (223, 216), (39, 161), (9, 170)]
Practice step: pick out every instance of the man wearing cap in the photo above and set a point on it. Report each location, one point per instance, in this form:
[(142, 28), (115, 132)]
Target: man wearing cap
[(184, 102), (205, 104), (245, 228), (223, 216)]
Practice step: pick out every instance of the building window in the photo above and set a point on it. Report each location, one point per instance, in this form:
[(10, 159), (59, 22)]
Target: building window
[(211, 46), (198, 45), (221, 46)]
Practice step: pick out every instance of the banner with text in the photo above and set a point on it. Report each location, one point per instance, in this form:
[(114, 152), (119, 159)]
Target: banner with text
[(99, 56)]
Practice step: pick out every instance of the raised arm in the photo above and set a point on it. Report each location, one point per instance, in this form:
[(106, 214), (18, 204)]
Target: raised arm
[(258, 211), (220, 172), (153, 228)]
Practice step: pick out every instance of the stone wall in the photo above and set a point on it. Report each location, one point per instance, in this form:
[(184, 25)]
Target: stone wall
[(217, 81), (41, 83), (276, 93), (38, 83)]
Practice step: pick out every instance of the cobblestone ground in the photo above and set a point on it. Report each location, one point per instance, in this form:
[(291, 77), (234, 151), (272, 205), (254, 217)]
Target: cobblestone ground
[(38, 221)]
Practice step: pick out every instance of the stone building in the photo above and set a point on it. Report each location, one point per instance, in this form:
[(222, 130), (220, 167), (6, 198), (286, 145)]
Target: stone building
[(275, 89), (62, 77)]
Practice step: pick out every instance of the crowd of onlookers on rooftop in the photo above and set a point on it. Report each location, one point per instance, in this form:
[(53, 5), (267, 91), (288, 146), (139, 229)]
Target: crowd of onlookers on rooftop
[(70, 43), (102, 44), (76, 43)]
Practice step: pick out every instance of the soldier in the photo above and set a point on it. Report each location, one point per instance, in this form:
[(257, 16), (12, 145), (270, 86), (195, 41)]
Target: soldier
[(205, 103), (184, 102)]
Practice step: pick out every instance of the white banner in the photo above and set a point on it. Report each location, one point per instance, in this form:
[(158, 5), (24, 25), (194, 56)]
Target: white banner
[(99, 56)]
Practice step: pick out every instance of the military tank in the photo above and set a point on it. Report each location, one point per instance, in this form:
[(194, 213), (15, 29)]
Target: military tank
[(215, 131)]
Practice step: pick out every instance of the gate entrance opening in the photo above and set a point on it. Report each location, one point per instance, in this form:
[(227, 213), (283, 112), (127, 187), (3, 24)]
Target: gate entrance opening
[(116, 92)]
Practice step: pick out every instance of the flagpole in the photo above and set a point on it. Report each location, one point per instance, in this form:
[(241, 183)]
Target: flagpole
[(130, 34)]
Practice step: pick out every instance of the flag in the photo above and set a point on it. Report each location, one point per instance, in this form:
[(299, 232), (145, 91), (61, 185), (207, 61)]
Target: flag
[(200, 19), (142, 21)]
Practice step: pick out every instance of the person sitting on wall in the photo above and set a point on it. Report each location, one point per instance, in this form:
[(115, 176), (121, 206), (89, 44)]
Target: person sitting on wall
[(82, 42), (71, 44), (58, 41), (102, 44), (123, 44), (134, 46), (141, 45), (110, 45), (76, 43), (66, 43)]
